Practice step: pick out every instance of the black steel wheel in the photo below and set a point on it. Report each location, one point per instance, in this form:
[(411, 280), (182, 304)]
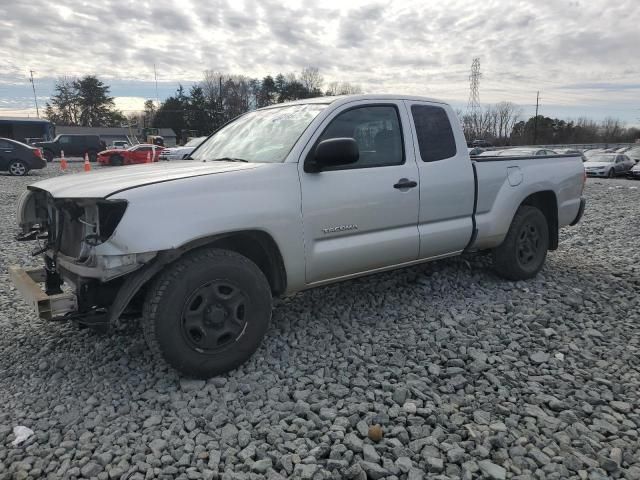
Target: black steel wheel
[(214, 316), (207, 312), (524, 250)]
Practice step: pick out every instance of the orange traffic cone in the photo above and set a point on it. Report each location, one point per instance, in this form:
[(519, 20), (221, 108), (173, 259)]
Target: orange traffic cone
[(63, 161), (148, 157), (87, 165)]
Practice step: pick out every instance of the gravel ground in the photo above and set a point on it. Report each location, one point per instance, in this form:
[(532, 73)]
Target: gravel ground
[(469, 376)]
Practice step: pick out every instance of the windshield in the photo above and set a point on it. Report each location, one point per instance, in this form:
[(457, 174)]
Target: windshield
[(262, 136), (194, 142), (601, 158)]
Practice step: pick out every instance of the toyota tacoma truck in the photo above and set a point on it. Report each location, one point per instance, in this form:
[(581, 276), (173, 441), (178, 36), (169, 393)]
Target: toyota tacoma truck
[(283, 199)]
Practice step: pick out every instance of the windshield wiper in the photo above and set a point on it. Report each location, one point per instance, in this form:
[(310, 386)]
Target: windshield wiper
[(229, 159)]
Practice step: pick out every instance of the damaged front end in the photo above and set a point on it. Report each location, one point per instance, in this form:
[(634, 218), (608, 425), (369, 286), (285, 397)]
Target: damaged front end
[(73, 237)]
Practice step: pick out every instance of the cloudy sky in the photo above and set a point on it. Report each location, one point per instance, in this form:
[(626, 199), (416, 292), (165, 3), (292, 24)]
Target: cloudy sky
[(581, 55)]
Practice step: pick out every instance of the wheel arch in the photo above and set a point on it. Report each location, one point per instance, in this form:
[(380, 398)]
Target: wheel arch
[(257, 245), (547, 203)]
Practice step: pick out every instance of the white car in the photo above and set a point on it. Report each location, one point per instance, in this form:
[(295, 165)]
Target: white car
[(119, 145), (607, 165), (180, 153), (635, 171)]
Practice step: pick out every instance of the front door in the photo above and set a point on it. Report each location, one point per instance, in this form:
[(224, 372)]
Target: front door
[(362, 217)]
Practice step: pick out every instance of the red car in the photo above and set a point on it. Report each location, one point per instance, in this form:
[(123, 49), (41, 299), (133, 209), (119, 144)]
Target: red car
[(137, 154)]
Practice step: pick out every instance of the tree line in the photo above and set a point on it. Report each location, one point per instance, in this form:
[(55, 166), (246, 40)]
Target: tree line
[(219, 97), (502, 124)]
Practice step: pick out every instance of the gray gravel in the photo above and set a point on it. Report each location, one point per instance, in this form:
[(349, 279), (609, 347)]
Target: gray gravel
[(469, 376)]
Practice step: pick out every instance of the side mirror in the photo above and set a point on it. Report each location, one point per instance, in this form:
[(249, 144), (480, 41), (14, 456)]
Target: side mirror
[(333, 152)]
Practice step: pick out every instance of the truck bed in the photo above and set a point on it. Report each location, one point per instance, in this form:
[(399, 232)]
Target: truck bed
[(503, 181)]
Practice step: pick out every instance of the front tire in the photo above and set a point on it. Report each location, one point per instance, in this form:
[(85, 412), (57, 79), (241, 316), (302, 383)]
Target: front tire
[(524, 250), (611, 174), (18, 168), (207, 313), (49, 156)]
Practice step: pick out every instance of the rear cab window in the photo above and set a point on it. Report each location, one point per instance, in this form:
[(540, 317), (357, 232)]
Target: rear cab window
[(434, 133)]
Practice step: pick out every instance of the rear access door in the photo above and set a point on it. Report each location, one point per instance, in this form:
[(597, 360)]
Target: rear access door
[(447, 183)]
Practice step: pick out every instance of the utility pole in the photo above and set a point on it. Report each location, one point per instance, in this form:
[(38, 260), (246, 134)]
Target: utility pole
[(155, 74), (35, 98), (535, 120)]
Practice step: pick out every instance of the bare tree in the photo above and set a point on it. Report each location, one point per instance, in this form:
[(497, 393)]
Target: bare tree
[(611, 130), (342, 88), (508, 115), (311, 79)]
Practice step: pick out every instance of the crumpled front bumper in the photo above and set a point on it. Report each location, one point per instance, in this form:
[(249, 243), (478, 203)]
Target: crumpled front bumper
[(47, 307)]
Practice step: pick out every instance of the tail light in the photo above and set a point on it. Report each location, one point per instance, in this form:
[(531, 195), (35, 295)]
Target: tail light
[(37, 152)]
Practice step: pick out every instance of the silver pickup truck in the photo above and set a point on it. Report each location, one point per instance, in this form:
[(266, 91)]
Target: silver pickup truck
[(279, 200)]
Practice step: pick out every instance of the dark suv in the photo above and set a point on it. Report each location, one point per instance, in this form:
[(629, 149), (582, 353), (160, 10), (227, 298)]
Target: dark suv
[(72, 145)]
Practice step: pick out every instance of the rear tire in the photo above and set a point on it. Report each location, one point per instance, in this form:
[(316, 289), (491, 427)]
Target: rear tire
[(93, 155), (116, 161), (18, 168), (524, 250), (207, 313)]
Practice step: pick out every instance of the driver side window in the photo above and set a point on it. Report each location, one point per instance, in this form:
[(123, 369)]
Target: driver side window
[(376, 130)]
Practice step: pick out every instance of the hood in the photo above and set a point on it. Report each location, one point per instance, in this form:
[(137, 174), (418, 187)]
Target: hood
[(107, 181), (589, 164)]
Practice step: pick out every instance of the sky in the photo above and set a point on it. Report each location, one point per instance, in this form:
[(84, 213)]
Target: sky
[(582, 56)]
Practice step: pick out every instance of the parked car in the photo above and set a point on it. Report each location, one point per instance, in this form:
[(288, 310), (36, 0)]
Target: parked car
[(119, 145), (72, 145), (518, 152), (136, 154), (18, 158), (180, 153), (607, 165), (635, 172), (634, 154), (282, 199), (479, 143), (594, 151), (475, 151)]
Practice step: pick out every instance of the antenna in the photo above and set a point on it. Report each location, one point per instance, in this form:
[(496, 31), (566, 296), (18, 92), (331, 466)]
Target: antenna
[(535, 121), (35, 98), (473, 107)]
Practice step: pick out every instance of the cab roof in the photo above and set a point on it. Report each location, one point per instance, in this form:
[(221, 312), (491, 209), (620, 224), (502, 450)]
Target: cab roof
[(341, 99)]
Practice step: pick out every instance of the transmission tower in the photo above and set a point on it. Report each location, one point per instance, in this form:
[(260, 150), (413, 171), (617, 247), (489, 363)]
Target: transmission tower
[(473, 107)]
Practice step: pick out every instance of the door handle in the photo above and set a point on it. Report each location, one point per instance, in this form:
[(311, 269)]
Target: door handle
[(405, 183)]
